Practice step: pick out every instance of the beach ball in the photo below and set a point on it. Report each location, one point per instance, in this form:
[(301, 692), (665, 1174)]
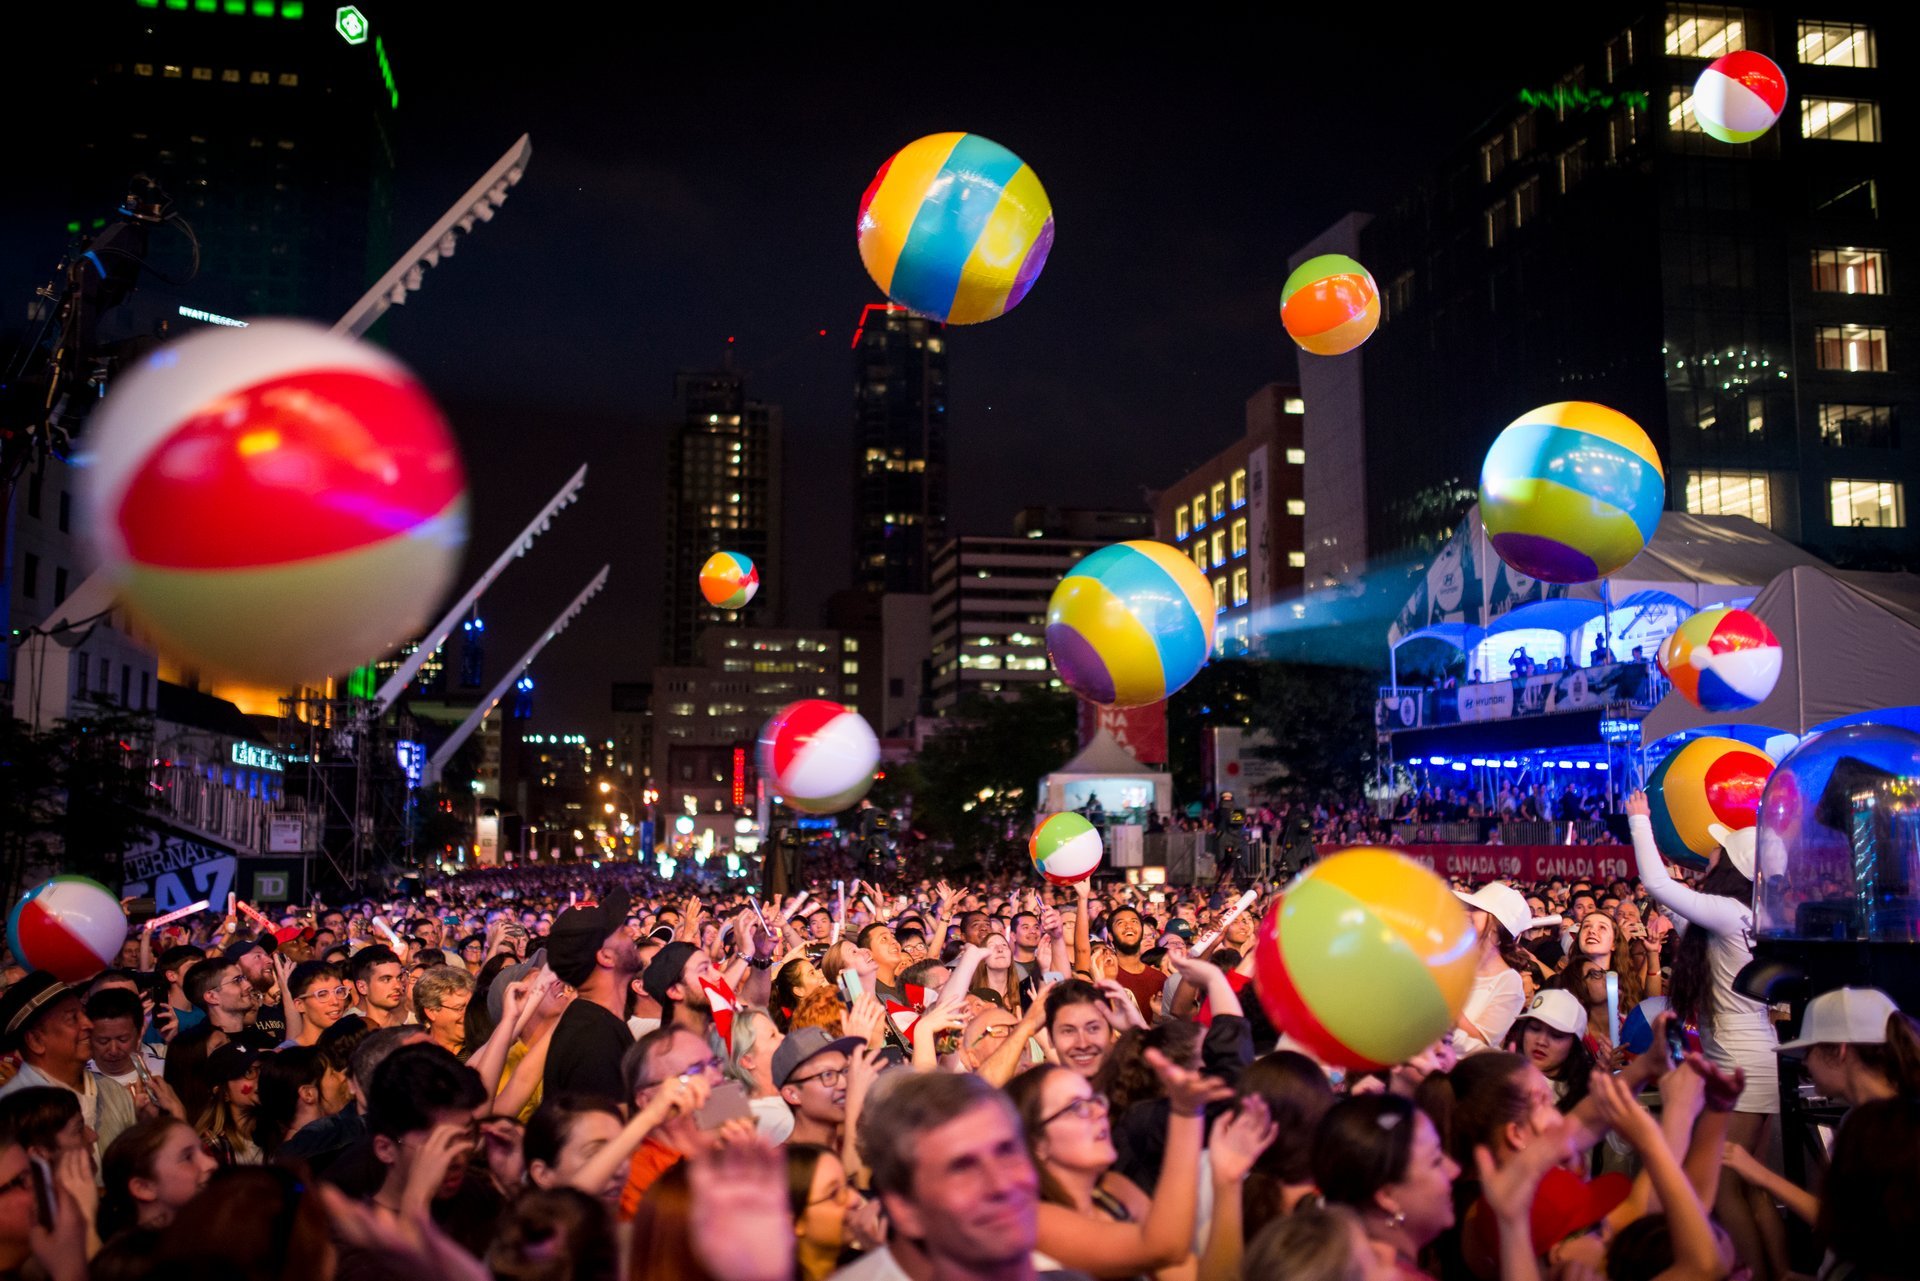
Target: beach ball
[(1065, 848), (1130, 624), (1571, 491), (275, 503), (1739, 96), (955, 227), (71, 927), (1366, 959), (1330, 305), (1705, 781), (1722, 660), (728, 580), (818, 756)]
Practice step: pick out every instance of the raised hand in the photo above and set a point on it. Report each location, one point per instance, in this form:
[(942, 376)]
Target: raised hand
[(866, 1020), (743, 1186), (1239, 1137), (1188, 1091), (1125, 1009)]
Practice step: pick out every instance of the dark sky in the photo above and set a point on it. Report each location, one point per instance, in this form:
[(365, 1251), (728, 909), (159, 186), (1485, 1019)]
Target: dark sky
[(694, 182)]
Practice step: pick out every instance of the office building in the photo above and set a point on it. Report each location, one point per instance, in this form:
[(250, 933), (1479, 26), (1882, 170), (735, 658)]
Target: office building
[(1591, 242), (900, 447), (633, 729), (1240, 517), (723, 494)]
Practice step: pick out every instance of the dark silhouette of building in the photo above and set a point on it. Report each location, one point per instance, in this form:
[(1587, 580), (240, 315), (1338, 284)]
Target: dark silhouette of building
[(900, 447)]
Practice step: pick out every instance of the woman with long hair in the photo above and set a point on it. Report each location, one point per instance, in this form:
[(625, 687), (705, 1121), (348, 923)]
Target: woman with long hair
[(791, 982), (291, 1095), (150, 1173), (821, 1199), (998, 976), (1381, 1156), (258, 1224), (1550, 1034), (1316, 1243), (1500, 916), (225, 1125), (848, 955), (1735, 1031), (564, 1134), (662, 1246), (1297, 1096)]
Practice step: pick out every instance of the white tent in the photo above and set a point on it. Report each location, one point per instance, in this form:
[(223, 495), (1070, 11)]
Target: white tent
[(1852, 643), (1106, 770)]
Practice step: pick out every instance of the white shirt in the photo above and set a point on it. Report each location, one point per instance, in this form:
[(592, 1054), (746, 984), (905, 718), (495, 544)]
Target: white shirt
[(1492, 1006)]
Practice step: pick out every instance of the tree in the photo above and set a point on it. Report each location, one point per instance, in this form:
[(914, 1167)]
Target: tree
[(1320, 717), (978, 781), (76, 797)]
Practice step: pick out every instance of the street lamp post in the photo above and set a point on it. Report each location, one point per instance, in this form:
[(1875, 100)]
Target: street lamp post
[(609, 789)]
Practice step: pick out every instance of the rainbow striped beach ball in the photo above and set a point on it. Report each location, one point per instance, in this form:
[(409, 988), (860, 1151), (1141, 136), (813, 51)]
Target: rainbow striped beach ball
[(70, 926), (1739, 96), (1702, 782), (275, 503), (1330, 305), (1366, 959), (1130, 624), (1571, 491), (956, 228), (818, 756), (1722, 660), (728, 580), (1065, 848)]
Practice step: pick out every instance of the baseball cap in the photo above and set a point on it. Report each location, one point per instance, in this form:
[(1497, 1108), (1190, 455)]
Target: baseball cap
[(497, 991), (580, 931), (1567, 1203), (22, 1004), (663, 971), (1506, 905), (230, 1062), (1559, 1010), (1181, 926), (807, 1043), (1844, 1016)]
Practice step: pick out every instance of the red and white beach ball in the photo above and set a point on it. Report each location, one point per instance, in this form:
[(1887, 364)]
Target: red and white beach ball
[(818, 756), (71, 927), (1739, 96), (276, 503)]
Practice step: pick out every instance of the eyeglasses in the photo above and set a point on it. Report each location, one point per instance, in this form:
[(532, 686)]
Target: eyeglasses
[(831, 1078), (234, 979), (1000, 1030), (322, 993), (1090, 1107), (707, 1067)]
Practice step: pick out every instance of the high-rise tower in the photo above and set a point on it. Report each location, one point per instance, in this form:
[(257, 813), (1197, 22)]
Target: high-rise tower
[(900, 447)]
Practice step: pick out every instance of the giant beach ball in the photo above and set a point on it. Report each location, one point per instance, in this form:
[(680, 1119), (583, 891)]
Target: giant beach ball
[(1130, 624), (1366, 959), (275, 503), (955, 227), (728, 580), (1705, 781), (1330, 305), (1722, 660), (818, 756), (1065, 848), (1739, 96), (70, 926), (1571, 491)]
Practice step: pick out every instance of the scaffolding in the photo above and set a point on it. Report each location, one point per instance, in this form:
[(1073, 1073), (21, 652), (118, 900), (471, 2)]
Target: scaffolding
[(342, 759)]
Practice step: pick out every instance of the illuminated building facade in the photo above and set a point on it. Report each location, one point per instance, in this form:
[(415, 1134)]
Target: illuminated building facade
[(1240, 517), (1590, 242), (900, 447), (723, 494)]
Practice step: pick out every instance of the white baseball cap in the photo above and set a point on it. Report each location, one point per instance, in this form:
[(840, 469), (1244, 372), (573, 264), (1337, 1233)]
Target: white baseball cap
[(1844, 1016), (1739, 846), (1559, 1010), (1506, 905)]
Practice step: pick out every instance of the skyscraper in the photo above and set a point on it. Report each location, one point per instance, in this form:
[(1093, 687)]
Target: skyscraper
[(723, 494), (900, 447)]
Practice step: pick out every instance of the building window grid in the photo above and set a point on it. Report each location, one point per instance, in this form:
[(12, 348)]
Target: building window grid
[(1837, 44), (1219, 495), (1840, 119), (1857, 426), (1850, 348), (1180, 526), (1240, 586), (1849, 271), (1296, 560), (1239, 540), (1867, 504), (1730, 493), (1219, 548), (1704, 31), (1237, 488)]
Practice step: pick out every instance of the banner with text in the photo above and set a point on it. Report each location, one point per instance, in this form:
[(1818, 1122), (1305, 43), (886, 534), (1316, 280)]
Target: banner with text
[(1522, 864), (1141, 730)]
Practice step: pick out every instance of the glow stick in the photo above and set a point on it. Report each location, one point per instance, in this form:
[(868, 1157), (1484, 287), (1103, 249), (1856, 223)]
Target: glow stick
[(1212, 936), (256, 914), (380, 923), (1613, 1007), (171, 917)]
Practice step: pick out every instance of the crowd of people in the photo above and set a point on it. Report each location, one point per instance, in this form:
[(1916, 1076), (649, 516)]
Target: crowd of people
[(574, 1072)]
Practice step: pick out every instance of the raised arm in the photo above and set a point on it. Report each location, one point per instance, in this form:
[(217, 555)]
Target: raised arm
[(1714, 912), (1083, 928)]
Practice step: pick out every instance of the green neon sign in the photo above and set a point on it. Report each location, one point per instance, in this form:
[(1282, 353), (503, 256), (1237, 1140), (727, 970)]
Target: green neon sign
[(1569, 96), (351, 24), (386, 71)]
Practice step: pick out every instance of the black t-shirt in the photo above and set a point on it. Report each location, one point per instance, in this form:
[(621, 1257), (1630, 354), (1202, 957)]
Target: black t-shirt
[(272, 1021), (584, 1055)]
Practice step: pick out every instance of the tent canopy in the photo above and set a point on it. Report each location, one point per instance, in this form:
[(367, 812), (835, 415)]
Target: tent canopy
[(1460, 636), (1852, 643), (1104, 761), (1562, 615)]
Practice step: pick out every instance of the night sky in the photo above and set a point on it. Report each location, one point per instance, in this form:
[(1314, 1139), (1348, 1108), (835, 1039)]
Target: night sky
[(691, 183)]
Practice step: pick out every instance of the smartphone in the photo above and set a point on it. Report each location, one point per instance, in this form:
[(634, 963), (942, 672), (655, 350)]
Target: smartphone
[(851, 985), (43, 1195), (726, 1102), (1681, 1040), (1156, 897)]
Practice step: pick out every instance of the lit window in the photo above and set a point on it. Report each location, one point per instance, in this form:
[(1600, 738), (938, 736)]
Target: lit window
[(1858, 426), (143, 68), (1200, 512), (1493, 158), (1237, 486), (1219, 499), (1680, 115), (288, 80), (170, 72), (1219, 593), (1837, 44), (1297, 560), (1850, 348), (259, 78), (203, 73), (1240, 537), (1219, 547), (1298, 457), (1180, 526), (1296, 507), (1840, 119), (1240, 586), (1499, 220), (1867, 504), (1571, 166), (851, 645), (1704, 31), (1730, 493), (1200, 555), (1849, 271), (850, 668), (1293, 405)]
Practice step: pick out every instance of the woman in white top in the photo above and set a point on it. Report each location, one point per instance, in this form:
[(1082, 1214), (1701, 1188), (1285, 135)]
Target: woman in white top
[(1500, 916), (1735, 1031)]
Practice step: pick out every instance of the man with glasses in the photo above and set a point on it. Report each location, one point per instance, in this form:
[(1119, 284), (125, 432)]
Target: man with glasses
[(671, 1054), (320, 994), (440, 999), (810, 1071), (221, 988)]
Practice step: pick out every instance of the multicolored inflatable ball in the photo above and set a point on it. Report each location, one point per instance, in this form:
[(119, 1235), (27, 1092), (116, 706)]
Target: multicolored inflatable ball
[(1330, 305), (955, 227), (1366, 959), (70, 926), (1130, 624), (818, 756), (1739, 96), (275, 503), (1722, 660), (728, 580), (1571, 491), (1705, 781), (1065, 848)]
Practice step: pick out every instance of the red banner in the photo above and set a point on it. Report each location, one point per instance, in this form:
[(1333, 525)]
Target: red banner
[(1521, 864), (1141, 730)]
